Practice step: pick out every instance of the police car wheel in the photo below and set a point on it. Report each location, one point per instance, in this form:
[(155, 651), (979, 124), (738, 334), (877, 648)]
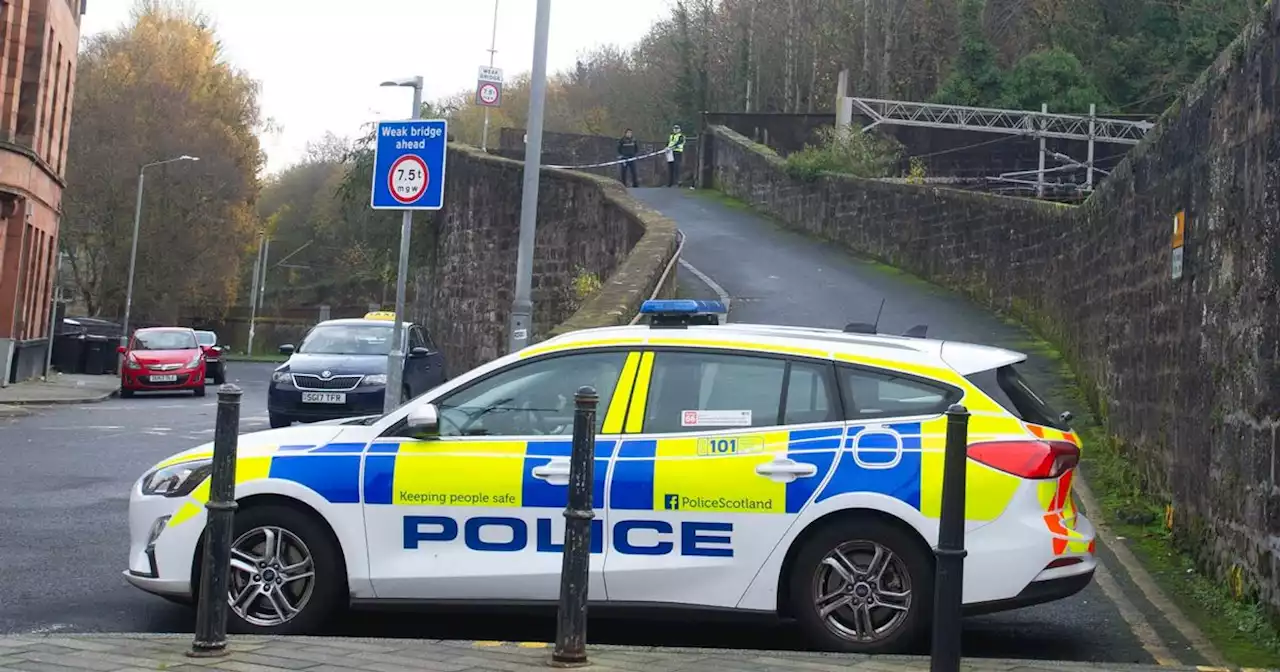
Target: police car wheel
[(861, 586), (286, 573)]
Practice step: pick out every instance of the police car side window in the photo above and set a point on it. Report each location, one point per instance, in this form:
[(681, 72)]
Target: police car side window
[(811, 395), (696, 392), (871, 394), (533, 399)]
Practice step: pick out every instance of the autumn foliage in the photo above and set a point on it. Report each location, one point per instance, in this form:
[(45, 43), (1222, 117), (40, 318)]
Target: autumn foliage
[(156, 89)]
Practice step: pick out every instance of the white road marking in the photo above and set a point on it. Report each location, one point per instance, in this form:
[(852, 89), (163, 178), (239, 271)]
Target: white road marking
[(715, 287), (1142, 579)]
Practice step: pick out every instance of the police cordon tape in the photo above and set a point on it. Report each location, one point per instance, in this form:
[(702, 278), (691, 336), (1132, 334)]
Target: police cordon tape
[(613, 163)]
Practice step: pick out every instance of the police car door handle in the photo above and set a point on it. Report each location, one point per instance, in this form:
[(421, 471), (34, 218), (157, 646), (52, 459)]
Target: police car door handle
[(555, 472), (786, 470)]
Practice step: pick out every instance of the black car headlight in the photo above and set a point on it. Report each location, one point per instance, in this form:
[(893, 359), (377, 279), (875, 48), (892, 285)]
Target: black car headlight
[(281, 377), (374, 379), (177, 480)]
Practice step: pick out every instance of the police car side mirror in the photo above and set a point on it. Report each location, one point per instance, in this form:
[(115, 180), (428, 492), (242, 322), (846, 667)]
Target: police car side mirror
[(423, 421), (286, 349)]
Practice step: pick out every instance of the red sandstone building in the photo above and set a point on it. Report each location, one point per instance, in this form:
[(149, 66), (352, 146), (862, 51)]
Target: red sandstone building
[(39, 41)]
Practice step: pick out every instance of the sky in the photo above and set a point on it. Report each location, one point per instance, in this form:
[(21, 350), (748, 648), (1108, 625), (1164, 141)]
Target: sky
[(320, 62)]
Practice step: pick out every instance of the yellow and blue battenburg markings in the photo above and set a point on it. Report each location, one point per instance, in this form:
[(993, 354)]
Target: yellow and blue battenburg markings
[(884, 460), (714, 474)]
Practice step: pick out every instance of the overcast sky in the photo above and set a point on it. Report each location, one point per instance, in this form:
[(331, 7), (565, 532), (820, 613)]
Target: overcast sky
[(320, 61)]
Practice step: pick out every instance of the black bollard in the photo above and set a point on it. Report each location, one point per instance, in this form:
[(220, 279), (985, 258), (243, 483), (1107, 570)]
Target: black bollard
[(571, 619), (949, 587), (211, 610)]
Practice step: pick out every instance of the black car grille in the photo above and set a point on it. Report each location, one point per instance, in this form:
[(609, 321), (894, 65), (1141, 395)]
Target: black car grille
[(306, 381)]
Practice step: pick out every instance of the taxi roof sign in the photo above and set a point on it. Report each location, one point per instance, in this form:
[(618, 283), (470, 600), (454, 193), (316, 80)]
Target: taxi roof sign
[(380, 315)]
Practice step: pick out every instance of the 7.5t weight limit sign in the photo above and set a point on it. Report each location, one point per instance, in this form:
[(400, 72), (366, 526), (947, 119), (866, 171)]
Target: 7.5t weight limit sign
[(409, 165)]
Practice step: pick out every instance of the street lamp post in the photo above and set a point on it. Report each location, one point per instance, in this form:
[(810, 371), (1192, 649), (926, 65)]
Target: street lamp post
[(395, 358), (522, 307), (133, 253)]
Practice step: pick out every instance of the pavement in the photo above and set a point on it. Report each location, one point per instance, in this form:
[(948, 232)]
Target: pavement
[(128, 653), (60, 388)]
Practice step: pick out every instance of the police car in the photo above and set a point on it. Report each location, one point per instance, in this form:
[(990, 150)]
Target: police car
[(757, 468)]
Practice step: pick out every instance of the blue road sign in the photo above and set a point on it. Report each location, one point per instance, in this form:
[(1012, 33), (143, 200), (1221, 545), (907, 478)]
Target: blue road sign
[(408, 165)]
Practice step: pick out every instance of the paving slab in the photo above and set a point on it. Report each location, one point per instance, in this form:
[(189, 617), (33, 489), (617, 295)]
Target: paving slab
[(60, 388), (128, 651)]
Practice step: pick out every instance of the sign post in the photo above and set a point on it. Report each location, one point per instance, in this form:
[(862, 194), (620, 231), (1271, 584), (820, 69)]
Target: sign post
[(488, 94), (408, 175)]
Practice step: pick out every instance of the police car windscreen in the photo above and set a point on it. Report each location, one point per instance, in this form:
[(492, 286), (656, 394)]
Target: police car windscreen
[(347, 339)]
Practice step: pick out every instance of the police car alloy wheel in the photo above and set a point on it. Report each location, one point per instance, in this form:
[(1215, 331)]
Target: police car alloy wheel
[(285, 572), (862, 585)]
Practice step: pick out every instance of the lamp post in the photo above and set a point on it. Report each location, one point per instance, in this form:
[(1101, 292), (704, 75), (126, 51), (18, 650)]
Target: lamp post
[(133, 253), (493, 49), (395, 358), (522, 307)]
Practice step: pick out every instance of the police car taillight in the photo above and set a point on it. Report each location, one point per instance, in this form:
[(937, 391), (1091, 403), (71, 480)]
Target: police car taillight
[(1027, 459)]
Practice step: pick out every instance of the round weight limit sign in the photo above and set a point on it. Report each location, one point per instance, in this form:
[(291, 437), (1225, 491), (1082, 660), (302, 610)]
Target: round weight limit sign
[(488, 93), (408, 178)]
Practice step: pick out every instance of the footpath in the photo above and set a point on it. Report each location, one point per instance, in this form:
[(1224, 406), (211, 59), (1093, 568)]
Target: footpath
[(131, 652), (60, 388)]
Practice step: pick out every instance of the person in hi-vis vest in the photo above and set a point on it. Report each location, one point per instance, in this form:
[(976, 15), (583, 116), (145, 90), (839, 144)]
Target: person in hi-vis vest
[(675, 152)]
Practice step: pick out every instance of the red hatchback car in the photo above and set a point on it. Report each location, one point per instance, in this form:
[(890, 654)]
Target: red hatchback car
[(160, 359)]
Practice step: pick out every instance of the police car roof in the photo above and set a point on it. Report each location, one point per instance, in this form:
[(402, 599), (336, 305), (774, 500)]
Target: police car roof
[(964, 358)]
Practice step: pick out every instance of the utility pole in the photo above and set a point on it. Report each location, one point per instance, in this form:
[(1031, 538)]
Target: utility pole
[(1044, 110), (253, 293), (522, 308), (266, 252), (493, 43)]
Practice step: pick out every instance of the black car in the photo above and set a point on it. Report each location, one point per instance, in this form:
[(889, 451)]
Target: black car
[(215, 365), (340, 371)]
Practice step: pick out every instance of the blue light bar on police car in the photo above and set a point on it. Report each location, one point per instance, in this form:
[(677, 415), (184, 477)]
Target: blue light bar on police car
[(681, 307)]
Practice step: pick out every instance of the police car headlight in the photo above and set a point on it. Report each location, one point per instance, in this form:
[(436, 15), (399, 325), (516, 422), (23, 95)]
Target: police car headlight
[(280, 377), (177, 480), (375, 379)]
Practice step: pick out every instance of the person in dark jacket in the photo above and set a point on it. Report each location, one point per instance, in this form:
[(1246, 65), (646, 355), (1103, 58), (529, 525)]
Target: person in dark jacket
[(627, 149)]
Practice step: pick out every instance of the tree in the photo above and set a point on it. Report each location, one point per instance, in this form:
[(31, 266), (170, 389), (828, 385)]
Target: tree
[(1054, 76), (976, 80), (153, 90)]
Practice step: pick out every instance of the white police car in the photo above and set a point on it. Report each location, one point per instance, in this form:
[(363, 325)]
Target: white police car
[(749, 467)]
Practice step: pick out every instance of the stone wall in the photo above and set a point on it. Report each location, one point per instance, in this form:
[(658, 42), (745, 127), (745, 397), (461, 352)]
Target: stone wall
[(1186, 373), (573, 149), (587, 226)]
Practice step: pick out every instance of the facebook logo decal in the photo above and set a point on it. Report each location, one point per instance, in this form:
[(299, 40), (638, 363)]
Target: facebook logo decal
[(671, 502)]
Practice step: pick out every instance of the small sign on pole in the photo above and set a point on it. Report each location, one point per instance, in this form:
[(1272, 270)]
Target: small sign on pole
[(408, 165), (1178, 242), (489, 87)]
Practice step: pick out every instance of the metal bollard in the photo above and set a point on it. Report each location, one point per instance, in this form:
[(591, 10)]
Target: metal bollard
[(571, 619), (948, 589), (211, 610)]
